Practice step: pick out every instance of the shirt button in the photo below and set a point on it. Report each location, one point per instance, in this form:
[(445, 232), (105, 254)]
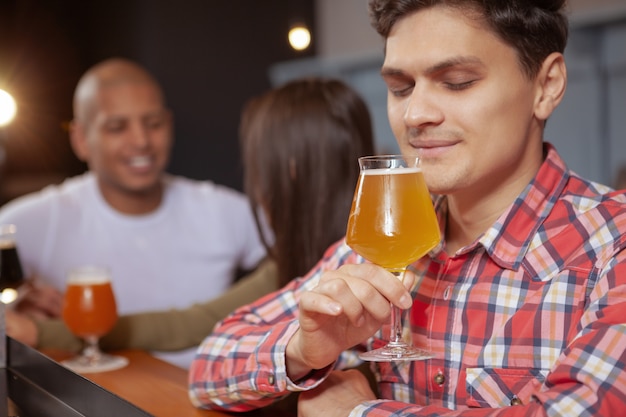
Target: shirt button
[(439, 378), (270, 379), (516, 401), (446, 293)]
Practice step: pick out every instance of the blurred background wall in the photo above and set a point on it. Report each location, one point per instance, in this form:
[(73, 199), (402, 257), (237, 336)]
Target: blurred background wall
[(212, 55)]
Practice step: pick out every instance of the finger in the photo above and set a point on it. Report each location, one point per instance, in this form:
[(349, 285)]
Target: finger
[(340, 292), (383, 281), (409, 280), (48, 300), (361, 302), (40, 307), (53, 304), (352, 293), (371, 303), (316, 302)]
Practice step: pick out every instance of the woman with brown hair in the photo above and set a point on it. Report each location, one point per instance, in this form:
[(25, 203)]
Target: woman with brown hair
[(300, 143), (300, 146)]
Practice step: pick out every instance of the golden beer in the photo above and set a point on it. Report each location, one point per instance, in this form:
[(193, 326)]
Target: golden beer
[(89, 307), (392, 222)]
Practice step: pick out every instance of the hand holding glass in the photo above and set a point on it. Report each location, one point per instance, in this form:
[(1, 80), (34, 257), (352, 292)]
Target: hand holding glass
[(89, 311), (392, 224)]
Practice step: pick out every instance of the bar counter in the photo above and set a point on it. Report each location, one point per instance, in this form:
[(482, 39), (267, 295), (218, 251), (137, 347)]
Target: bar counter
[(149, 383), (36, 385)]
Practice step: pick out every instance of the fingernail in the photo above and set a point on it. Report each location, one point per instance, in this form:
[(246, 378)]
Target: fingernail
[(334, 308), (406, 301)]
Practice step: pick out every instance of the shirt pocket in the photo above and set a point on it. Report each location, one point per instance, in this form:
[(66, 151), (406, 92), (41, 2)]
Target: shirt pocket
[(393, 378), (502, 387)]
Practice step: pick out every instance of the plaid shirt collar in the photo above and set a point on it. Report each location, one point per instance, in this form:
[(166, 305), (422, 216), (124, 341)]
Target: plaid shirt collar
[(508, 240)]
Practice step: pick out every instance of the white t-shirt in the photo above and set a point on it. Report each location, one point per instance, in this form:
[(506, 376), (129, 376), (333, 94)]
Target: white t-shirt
[(186, 251)]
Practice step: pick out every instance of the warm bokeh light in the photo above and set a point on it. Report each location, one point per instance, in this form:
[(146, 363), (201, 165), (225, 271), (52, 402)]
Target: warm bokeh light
[(299, 37), (8, 108), (8, 295)]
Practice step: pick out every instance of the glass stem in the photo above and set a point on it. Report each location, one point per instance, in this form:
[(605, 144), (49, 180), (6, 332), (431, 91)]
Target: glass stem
[(395, 338), (92, 350)]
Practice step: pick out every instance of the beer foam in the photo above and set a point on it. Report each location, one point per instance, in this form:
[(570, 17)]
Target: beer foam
[(7, 243), (88, 276), (387, 171)]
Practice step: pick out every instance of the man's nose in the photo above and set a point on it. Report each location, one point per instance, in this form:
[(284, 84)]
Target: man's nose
[(139, 135), (422, 109)]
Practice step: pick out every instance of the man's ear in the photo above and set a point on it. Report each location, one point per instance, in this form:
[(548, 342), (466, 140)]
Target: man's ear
[(551, 83), (78, 140)]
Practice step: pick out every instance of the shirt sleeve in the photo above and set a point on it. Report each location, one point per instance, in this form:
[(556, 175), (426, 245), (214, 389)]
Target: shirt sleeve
[(241, 365), (168, 330), (176, 329), (54, 334)]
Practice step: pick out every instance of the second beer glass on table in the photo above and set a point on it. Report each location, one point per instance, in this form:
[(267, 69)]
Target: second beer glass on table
[(392, 224), (90, 311), (11, 276)]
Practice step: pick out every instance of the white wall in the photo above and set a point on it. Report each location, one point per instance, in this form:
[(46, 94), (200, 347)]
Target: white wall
[(344, 29), (594, 11)]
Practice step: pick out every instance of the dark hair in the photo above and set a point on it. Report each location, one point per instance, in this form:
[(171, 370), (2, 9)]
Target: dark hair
[(619, 183), (300, 143), (535, 28)]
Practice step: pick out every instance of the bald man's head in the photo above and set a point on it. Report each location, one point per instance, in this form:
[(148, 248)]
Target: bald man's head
[(110, 73), (123, 131)]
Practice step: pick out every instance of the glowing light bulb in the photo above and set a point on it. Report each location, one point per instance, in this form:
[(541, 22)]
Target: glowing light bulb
[(299, 37), (8, 108), (8, 295)]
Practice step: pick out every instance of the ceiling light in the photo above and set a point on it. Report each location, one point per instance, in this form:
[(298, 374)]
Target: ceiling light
[(299, 37), (8, 108)]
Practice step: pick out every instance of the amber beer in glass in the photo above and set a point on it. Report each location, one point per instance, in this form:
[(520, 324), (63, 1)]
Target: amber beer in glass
[(392, 223), (395, 223), (90, 312), (89, 308)]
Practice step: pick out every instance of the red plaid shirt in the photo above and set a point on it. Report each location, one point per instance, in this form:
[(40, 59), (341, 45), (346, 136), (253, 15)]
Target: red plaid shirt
[(531, 313)]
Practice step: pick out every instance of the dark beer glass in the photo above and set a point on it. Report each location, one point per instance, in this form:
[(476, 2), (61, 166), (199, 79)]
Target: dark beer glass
[(11, 274)]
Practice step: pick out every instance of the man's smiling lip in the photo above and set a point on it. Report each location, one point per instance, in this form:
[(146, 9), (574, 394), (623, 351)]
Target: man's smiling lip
[(141, 164), (430, 148)]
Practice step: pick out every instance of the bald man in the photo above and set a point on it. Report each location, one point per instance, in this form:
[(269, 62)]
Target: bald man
[(168, 241)]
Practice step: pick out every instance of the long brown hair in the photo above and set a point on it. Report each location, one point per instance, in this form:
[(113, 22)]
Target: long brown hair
[(300, 143)]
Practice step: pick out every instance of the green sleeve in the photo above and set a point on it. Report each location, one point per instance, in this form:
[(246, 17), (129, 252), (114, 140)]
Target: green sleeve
[(53, 334), (174, 329)]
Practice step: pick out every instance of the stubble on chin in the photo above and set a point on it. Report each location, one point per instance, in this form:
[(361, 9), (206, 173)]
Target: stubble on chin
[(441, 178)]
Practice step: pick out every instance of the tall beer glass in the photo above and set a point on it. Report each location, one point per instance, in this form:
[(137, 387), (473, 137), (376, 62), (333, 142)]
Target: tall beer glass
[(89, 311), (392, 224), (11, 275)]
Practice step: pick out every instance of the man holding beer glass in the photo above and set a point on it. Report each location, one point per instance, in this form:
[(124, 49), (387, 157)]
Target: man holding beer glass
[(521, 305)]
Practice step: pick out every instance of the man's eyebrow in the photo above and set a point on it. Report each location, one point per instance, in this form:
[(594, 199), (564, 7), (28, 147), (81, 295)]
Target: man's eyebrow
[(440, 66), (391, 72), (454, 62)]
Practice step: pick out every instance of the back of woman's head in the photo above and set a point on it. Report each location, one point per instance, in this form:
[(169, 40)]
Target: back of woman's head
[(300, 145)]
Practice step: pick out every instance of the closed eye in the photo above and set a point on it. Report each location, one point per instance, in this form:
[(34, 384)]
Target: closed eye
[(401, 91), (459, 86), (154, 124), (116, 127)]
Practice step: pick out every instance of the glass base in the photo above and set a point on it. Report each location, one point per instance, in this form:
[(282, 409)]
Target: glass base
[(396, 352), (101, 363)]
